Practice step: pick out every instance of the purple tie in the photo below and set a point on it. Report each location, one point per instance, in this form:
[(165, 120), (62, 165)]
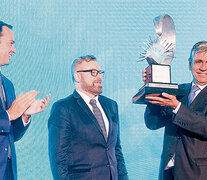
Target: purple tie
[(192, 94), (99, 117)]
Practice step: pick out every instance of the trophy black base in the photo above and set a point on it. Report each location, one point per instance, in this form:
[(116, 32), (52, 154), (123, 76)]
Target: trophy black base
[(157, 88)]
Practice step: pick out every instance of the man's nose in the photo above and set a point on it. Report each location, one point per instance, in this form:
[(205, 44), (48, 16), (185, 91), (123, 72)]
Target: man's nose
[(203, 67), (99, 76), (13, 49)]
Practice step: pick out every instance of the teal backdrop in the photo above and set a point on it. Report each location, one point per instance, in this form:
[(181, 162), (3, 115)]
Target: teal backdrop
[(50, 34)]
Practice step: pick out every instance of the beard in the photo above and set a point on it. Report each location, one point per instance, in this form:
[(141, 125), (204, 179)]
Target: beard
[(95, 88)]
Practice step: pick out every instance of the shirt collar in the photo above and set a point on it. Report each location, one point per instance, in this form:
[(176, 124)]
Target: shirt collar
[(201, 87), (85, 97)]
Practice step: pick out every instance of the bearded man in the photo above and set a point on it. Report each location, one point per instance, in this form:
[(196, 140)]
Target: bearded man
[(84, 141)]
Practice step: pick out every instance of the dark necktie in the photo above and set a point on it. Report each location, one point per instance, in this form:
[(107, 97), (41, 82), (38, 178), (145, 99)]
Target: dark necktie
[(191, 96), (99, 117)]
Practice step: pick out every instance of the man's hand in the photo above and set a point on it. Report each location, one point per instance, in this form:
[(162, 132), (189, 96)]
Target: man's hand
[(144, 75), (164, 100), (37, 106), (21, 103)]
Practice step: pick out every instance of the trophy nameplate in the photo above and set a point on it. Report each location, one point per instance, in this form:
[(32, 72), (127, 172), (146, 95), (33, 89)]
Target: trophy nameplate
[(159, 55)]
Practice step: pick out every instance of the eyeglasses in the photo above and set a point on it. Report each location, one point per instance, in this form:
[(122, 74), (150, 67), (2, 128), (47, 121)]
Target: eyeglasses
[(94, 72)]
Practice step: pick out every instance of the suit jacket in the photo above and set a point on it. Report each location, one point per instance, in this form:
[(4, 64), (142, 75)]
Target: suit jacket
[(77, 148), (185, 135), (9, 132)]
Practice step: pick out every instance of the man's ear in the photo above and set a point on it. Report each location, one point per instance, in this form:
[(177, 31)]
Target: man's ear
[(190, 64), (77, 77)]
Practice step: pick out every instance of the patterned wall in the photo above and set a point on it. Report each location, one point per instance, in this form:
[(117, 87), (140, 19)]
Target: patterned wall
[(50, 34)]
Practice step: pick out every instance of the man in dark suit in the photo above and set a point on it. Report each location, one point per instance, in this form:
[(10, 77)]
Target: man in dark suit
[(84, 141), (184, 154), (14, 112)]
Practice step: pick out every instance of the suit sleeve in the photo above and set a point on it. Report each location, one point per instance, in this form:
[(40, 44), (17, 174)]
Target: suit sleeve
[(121, 168), (4, 125), (17, 125), (19, 129), (4, 119), (59, 141), (156, 116), (193, 121)]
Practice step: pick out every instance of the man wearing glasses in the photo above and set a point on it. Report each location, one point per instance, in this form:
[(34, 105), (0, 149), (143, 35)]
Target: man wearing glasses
[(84, 142)]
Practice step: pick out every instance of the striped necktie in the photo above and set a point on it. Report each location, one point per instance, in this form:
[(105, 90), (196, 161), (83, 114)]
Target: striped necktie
[(99, 117), (191, 96)]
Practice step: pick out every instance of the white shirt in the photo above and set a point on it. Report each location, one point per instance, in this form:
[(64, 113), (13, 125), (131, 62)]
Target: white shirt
[(87, 100)]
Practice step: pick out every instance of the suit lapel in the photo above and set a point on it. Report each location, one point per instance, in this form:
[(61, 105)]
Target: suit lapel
[(87, 110), (1, 105), (7, 92), (187, 88), (200, 99)]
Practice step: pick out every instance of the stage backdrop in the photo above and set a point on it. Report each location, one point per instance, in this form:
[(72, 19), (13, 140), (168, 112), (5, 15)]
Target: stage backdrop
[(50, 34)]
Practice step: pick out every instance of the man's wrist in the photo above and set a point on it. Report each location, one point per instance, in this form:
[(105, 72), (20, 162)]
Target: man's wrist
[(8, 115), (26, 118), (177, 108)]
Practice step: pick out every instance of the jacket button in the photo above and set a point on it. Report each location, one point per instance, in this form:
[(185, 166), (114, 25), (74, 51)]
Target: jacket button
[(6, 149)]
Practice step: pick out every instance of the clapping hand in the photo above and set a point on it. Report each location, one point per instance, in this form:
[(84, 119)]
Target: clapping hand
[(38, 106)]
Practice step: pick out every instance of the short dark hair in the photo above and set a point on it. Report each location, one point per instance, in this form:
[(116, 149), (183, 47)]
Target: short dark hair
[(200, 46), (78, 61), (4, 24)]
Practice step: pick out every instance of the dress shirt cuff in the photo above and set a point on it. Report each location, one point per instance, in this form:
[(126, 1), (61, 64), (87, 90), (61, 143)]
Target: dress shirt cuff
[(28, 121), (24, 123), (177, 108), (8, 117)]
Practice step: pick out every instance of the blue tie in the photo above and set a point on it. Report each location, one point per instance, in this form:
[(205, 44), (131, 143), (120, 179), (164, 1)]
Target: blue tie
[(99, 117), (192, 94)]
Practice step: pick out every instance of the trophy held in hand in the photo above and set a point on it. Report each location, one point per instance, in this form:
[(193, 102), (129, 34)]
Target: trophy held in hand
[(159, 54)]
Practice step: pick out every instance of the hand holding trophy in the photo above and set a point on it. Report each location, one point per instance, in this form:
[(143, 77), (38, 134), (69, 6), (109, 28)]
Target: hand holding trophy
[(159, 54)]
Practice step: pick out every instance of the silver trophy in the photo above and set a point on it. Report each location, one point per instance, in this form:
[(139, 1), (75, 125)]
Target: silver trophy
[(159, 54)]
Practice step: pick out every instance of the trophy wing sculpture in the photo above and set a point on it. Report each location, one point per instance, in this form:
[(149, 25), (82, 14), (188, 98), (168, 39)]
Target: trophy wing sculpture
[(159, 54), (161, 49)]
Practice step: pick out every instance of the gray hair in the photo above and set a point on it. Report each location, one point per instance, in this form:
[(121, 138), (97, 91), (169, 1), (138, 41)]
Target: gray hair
[(200, 46), (78, 61)]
